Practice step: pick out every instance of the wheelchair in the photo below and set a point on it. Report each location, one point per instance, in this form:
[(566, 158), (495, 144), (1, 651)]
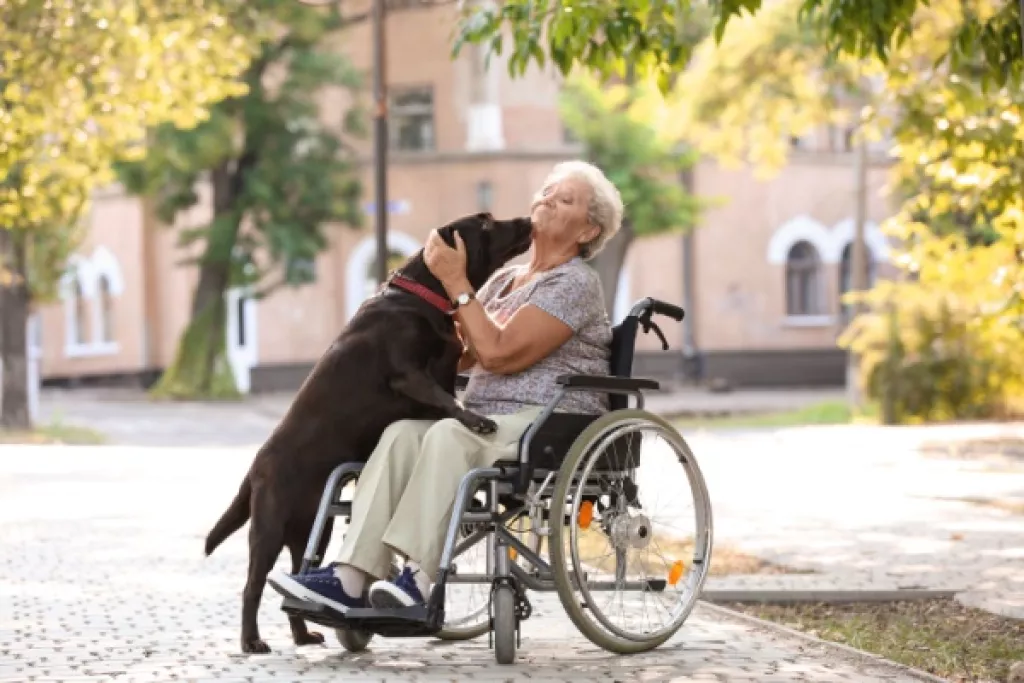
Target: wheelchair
[(579, 482)]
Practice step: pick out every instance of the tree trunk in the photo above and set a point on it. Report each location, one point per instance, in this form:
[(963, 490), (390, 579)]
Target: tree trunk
[(610, 261), (14, 300), (201, 368)]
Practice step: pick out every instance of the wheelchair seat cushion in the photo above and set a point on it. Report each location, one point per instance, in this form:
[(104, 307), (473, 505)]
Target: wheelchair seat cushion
[(555, 437)]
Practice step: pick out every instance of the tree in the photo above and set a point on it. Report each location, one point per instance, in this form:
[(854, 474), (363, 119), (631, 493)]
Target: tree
[(615, 127), (606, 35), (279, 173), (942, 341), (768, 80), (79, 85)]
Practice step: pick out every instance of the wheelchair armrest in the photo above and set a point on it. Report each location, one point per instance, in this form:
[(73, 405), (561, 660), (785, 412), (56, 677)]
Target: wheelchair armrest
[(613, 385), (461, 381)]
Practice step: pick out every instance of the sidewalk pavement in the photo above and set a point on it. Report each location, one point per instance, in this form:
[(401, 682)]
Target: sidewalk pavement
[(861, 506), (103, 576)]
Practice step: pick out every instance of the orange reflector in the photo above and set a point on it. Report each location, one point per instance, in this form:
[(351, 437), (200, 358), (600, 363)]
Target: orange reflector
[(675, 572), (586, 515), (512, 554)]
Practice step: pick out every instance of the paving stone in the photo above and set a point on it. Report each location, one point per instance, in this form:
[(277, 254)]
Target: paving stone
[(102, 579)]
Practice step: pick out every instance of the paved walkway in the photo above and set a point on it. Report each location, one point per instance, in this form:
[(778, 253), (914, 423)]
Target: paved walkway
[(102, 579), (859, 505), (864, 508)]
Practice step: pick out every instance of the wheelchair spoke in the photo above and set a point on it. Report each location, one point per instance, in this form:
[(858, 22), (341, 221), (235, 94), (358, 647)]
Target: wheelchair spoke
[(621, 500)]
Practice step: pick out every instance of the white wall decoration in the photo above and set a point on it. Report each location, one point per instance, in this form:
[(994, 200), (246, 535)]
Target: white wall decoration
[(365, 253), (85, 302)]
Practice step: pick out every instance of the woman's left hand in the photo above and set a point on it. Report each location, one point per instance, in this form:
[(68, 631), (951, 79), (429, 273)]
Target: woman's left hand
[(448, 265)]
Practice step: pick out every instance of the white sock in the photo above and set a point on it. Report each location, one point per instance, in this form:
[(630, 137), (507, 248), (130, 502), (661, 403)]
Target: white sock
[(420, 577), (353, 581)]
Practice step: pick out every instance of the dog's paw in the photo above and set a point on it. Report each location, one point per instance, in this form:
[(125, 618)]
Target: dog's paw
[(256, 646), (478, 423), (309, 638)]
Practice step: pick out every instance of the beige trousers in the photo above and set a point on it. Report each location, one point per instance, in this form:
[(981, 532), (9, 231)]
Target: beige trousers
[(403, 500)]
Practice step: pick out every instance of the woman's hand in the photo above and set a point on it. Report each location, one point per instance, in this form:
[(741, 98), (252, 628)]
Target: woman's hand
[(448, 265)]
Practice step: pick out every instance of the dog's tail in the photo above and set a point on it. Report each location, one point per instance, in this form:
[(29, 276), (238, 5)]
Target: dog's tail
[(233, 518)]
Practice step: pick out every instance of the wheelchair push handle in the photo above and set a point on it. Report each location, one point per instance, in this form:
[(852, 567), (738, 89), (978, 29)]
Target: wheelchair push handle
[(667, 309), (647, 306)]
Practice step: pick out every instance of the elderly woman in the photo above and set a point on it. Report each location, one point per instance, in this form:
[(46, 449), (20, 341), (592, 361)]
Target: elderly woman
[(527, 325)]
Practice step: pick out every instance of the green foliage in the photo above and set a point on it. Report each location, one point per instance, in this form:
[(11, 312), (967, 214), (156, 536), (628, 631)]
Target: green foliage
[(614, 125), (944, 340), (649, 35), (988, 36), (278, 167), (654, 38), (79, 85), (769, 79), (928, 360)]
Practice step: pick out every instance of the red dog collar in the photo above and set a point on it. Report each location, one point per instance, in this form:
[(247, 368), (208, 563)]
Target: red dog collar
[(433, 298)]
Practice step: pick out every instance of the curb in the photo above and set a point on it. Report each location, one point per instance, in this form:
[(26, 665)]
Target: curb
[(846, 650), (832, 597)]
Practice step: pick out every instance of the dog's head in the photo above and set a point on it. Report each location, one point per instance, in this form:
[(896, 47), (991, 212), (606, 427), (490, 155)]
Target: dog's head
[(490, 243)]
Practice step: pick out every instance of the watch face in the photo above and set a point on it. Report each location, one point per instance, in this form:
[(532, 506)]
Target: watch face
[(463, 299)]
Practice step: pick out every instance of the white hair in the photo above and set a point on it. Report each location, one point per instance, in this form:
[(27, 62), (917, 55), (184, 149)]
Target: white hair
[(605, 209)]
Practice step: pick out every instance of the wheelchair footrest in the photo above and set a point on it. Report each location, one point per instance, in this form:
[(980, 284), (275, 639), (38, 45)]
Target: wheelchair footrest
[(315, 612), (407, 622)]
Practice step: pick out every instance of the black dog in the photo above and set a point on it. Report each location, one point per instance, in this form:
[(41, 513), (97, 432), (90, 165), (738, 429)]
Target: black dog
[(397, 358)]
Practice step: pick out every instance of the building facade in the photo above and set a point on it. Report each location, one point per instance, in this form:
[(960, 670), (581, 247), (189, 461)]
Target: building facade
[(767, 265)]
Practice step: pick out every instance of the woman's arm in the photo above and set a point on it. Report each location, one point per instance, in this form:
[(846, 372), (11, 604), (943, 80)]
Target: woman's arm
[(530, 335)]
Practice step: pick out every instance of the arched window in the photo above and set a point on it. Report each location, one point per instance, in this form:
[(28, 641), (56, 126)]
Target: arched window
[(361, 273), (106, 310), (846, 273), (90, 290), (80, 318), (803, 280)]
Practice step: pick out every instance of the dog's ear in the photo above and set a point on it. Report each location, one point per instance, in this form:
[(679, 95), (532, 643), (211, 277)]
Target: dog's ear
[(447, 233)]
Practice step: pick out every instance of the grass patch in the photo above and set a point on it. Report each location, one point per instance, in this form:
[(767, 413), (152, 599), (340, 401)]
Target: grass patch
[(1007, 449), (1012, 505), (823, 413), (939, 636), (54, 433)]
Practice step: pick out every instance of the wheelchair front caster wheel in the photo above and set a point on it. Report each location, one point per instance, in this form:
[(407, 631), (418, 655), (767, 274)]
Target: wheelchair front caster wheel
[(505, 630), (353, 640)]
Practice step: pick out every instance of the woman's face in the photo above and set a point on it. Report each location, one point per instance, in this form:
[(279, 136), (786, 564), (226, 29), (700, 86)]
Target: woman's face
[(560, 213)]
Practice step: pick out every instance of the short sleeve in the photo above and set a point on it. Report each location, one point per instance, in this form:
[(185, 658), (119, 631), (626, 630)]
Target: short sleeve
[(572, 294), (493, 286)]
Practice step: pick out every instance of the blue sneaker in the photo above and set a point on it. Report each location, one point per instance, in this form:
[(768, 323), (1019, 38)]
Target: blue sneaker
[(323, 588), (326, 569), (402, 592)]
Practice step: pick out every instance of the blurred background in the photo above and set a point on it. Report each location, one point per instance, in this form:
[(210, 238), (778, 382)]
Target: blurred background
[(195, 197)]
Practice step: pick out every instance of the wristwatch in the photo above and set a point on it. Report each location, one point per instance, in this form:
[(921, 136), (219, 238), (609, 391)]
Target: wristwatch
[(463, 299)]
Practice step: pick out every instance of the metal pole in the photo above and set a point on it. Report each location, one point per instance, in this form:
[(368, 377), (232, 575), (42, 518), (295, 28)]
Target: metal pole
[(380, 139), (858, 259)]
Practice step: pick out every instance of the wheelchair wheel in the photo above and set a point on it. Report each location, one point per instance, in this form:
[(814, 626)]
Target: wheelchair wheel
[(466, 616), (504, 625), (352, 640), (465, 609), (630, 486)]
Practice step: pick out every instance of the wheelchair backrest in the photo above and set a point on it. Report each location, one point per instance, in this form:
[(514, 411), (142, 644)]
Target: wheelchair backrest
[(621, 362)]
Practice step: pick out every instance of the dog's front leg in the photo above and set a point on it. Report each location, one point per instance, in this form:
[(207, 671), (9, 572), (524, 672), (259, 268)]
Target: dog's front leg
[(421, 387)]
